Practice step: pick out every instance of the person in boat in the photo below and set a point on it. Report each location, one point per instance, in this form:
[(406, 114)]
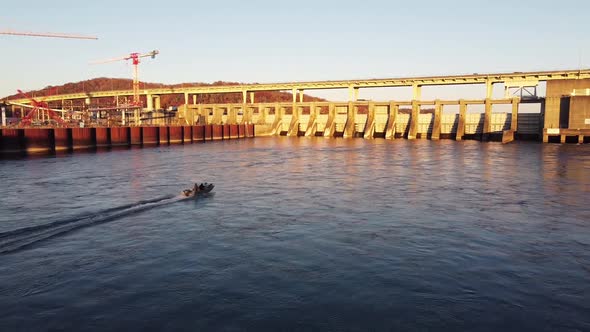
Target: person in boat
[(191, 192)]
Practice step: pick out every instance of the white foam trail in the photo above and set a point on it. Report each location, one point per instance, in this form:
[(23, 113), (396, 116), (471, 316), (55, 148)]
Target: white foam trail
[(23, 238)]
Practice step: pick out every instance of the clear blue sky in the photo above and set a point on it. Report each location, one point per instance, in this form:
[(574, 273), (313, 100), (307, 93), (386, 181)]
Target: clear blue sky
[(269, 41)]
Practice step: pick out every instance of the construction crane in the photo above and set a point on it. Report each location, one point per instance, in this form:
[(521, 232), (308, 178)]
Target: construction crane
[(135, 57), (39, 106), (51, 35)]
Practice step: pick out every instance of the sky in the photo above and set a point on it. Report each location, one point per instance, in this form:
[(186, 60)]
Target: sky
[(279, 41)]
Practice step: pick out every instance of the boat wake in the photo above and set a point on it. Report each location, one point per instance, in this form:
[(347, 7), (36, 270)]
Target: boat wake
[(26, 237)]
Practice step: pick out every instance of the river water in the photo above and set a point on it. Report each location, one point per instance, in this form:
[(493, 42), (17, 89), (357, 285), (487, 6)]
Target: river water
[(306, 234)]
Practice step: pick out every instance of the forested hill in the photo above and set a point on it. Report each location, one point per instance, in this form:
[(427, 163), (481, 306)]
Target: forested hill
[(105, 84)]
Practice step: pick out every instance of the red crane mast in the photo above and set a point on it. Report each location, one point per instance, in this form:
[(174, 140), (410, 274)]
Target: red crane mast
[(135, 58)]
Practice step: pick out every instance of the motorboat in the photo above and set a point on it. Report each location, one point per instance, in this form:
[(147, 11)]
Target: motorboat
[(198, 189)]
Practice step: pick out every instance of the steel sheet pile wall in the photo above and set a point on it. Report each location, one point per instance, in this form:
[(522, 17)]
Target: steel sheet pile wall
[(226, 131), (103, 137), (250, 130), (150, 135), (48, 140), (13, 140), (136, 136), (208, 135), (164, 135), (187, 134), (199, 133), (217, 132), (119, 136), (83, 138), (175, 135), (233, 132), (63, 139), (39, 140)]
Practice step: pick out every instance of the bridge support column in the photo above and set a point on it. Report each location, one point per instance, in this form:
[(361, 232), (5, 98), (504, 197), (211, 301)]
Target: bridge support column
[(186, 98), (391, 120), (149, 102), (157, 104), (251, 97), (487, 121), (194, 99), (300, 96), (416, 92), (413, 132), (353, 93), (489, 89), (461, 121), (437, 120), (514, 118)]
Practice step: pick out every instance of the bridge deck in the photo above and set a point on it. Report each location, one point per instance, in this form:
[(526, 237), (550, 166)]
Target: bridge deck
[(512, 79)]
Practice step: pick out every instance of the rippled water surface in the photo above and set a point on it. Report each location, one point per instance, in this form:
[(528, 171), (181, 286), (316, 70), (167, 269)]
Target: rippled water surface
[(300, 234)]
